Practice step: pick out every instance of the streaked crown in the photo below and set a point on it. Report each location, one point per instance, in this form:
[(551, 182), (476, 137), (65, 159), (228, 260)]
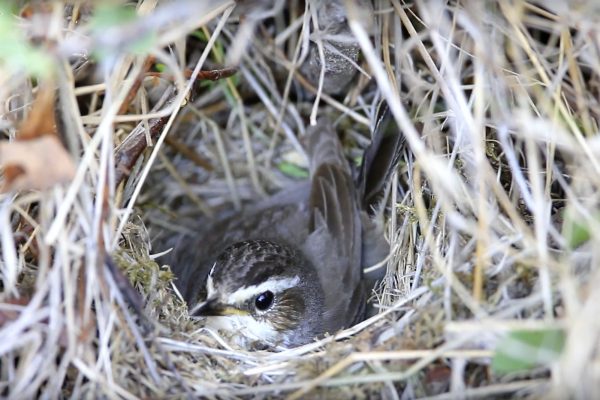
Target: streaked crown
[(266, 291)]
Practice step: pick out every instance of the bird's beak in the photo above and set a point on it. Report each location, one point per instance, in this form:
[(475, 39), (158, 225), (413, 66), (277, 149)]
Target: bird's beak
[(214, 308)]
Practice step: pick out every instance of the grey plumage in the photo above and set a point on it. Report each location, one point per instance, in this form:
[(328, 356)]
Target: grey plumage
[(312, 230)]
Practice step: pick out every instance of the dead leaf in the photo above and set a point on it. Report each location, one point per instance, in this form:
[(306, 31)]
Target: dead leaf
[(40, 163), (36, 159), (40, 120), (12, 172)]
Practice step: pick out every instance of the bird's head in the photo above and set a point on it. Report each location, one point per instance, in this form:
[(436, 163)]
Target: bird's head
[(263, 291)]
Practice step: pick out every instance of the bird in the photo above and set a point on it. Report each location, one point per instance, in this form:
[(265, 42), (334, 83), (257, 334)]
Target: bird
[(288, 269)]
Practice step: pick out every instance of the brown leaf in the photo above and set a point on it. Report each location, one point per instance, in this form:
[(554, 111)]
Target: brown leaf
[(40, 120), (12, 172), (40, 163), (36, 159)]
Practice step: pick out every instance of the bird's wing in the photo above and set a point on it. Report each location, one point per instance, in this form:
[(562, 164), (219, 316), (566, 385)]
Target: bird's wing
[(334, 242)]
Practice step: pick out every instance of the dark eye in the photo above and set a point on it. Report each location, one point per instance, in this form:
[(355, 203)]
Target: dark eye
[(264, 300)]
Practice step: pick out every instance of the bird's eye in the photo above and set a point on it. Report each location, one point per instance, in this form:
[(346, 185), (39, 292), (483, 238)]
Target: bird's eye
[(264, 301)]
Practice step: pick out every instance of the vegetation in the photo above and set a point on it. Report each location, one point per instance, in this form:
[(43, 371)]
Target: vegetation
[(119, 121)]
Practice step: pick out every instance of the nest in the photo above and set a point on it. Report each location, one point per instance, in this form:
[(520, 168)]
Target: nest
[(123, 121)]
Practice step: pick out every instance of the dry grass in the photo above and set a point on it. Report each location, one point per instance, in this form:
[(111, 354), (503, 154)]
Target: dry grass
[(506, 100)]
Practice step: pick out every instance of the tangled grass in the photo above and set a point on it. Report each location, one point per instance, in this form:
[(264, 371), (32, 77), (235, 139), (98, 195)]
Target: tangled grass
[(492, 215)]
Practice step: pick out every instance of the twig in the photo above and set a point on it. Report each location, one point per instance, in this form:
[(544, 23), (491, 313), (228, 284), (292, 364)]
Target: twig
[(188, 153), (131, 149)]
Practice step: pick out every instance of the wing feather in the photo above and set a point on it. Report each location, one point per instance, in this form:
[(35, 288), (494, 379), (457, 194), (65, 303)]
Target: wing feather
[(335, 225)]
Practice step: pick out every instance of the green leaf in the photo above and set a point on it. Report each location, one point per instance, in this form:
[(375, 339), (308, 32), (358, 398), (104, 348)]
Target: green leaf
[(198, 34), (143, 44), (292, 170), (576, 229), (8, 9), (112, 14), (524, 350), (16, 53)]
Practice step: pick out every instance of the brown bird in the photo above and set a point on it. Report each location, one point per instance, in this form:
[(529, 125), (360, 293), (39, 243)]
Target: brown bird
[(288, 269)]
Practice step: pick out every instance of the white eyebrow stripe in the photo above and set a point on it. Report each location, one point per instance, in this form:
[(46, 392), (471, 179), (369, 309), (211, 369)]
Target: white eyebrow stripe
[(212, 269), (274, 285), (210, 286)]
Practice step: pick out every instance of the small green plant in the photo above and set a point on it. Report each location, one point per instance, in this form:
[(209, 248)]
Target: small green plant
[(16, 52), (523, 350)]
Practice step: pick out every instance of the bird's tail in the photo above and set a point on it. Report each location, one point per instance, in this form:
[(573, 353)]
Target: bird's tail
[(380, 159), (379, 162)]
